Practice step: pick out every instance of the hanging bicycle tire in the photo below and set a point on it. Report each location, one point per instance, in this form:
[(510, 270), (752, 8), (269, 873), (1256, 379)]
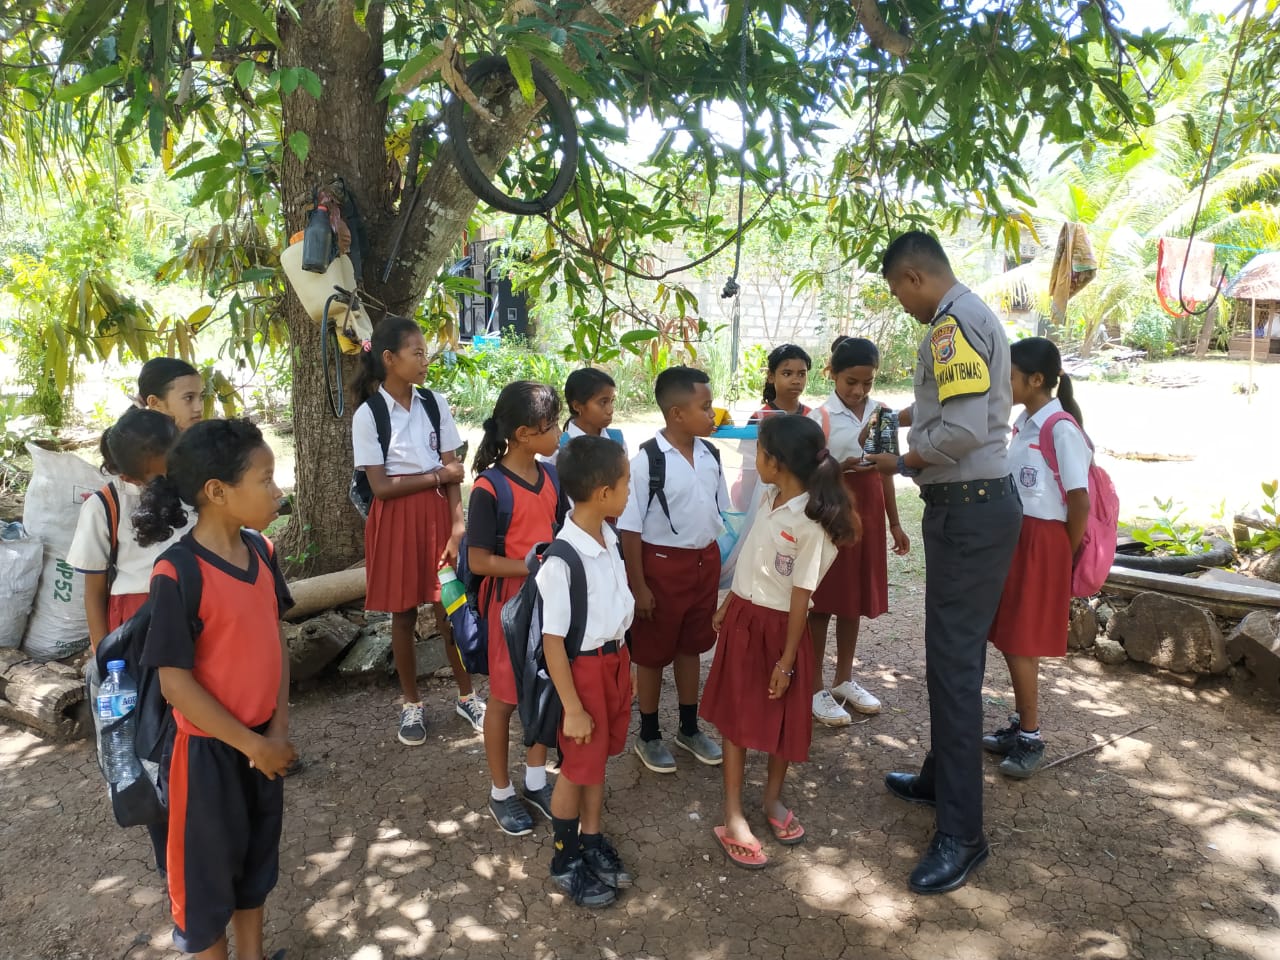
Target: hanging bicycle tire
[(559, 115), (331, 361)]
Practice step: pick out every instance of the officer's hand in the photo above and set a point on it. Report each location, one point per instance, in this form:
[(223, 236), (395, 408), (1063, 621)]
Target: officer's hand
[(883, 462)]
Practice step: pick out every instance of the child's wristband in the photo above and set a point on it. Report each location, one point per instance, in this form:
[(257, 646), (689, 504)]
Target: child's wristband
[(787, 673)]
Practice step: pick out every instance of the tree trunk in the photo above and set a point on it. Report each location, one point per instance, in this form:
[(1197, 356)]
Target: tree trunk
[(347, 133)]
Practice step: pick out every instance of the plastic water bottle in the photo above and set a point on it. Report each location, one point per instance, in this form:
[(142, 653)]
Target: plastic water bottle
[(317, 241), (453, 594), (117, 698)]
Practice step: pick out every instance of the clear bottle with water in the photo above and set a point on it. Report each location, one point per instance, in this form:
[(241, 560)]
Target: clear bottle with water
[(117, 698)]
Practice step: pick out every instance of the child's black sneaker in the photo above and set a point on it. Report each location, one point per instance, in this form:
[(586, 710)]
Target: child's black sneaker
[(1001, 742), (511, 816), (603, 860), (587, 890), (413, 725), (1024, 758), (540, 800)]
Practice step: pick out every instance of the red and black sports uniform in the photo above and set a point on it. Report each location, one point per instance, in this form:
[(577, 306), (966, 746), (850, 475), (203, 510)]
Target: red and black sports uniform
[(224, 816)]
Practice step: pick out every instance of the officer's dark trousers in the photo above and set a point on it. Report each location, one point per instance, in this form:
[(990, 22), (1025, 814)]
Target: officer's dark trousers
[(967, 550)]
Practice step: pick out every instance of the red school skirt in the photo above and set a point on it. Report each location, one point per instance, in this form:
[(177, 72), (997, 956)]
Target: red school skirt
[(735, 699), (122, 606), (494, 592), (857, 584), (403, 541), (1035, 608)]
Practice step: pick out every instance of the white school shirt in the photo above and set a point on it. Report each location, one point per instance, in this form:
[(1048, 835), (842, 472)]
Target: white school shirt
[(784, 549), (1040, 495), (610, 606), (414, 447), (91, 546), (846, 425), (573, 430), (695, 495)]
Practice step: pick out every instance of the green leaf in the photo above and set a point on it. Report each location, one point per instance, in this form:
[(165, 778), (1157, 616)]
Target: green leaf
[(245, 70), (632, 339), (155, 127), (203, 165), (300, 144), (254, 16), (310, 82), (83, 24), (202, 24), (522, 69), (88, 83)]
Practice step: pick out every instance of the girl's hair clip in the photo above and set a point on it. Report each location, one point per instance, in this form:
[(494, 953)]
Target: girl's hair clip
[(823, 454), (366, 346)]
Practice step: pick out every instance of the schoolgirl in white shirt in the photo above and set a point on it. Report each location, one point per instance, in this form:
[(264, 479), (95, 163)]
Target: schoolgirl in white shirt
[(757, 693), (1035, 608)]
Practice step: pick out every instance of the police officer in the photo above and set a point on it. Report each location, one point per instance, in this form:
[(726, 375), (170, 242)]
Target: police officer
[(957, 454)]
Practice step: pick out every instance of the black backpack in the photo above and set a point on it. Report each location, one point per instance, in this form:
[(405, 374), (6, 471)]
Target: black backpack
[(143, 802), (658, 475), (539, 704), (361, 493)]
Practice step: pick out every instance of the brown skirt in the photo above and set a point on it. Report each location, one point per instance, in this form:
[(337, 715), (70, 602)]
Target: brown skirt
[(736, 696), (404, 539), (857, 584), (1035, 607)]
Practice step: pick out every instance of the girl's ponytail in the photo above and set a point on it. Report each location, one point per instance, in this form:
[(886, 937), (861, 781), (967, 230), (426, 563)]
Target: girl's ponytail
[(798, 444), (523, 403), (1067, 397), (491, 449), (159, 513), (830, 504)]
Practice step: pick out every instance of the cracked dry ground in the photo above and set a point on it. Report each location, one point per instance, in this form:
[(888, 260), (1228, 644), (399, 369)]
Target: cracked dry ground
[(1166, 844)]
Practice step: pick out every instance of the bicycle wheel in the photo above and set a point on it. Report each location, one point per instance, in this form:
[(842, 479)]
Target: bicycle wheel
[(559, 117), (331, 361)]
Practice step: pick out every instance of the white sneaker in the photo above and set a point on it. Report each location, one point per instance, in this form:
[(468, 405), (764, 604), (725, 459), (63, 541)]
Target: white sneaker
[(826, 710), (855, 696)]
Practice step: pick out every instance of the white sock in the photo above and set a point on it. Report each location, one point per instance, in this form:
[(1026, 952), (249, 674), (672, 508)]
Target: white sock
[(1030, 734), (503, 793), (535, 778)]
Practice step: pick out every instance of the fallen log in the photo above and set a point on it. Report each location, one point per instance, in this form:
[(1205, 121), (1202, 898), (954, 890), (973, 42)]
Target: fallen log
[(48, 697), (317, 594), (1227, 598)]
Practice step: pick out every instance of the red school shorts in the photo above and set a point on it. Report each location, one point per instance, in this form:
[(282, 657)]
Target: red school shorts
[(686, 586), (603, 682)]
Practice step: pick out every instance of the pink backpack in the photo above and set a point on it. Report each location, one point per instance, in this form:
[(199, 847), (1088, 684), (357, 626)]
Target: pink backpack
[(1097, 550)]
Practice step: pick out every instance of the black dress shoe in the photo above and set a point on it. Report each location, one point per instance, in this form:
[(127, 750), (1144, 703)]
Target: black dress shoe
[(909, 787), (947, 863)]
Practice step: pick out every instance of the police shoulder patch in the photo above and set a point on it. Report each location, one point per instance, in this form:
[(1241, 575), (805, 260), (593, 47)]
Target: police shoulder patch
[(958, 368)]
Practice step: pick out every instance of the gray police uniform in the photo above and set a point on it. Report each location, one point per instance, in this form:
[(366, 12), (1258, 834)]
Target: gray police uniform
[(972, 517)]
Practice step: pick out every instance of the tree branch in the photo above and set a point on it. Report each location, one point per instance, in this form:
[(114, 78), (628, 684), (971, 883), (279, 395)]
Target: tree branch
[(880, 33)]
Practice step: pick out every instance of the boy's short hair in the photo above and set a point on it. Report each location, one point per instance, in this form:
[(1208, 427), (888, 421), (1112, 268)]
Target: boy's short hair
[(917, 249), (675, 385), (587, 463)]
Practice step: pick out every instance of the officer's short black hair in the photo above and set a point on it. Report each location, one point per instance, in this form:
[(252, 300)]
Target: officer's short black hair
[(675, 385), (917, 249), (587, 463)]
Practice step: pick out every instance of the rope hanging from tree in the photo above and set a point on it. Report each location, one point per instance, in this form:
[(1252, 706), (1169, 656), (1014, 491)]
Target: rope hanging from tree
[(731, 287), (1204, 181)]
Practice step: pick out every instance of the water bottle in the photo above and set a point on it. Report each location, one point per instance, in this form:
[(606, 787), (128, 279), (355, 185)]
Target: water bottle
[(453, 594), (317, 241), (117, 698)]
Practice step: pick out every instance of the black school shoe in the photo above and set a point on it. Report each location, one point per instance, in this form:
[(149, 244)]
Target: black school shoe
[(603, 861), (586, 889), (1024, 758), (1001, 741), (947, 863), (909, 787)]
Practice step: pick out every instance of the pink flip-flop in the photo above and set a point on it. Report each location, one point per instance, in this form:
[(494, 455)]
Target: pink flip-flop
[(748, 856), (787, 831)]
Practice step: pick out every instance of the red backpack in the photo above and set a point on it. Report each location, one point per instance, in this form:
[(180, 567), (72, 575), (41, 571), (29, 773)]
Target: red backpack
[(1097, 550)]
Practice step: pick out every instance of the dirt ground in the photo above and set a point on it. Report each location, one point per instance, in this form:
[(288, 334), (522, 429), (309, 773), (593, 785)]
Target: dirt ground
[(1165, 844)]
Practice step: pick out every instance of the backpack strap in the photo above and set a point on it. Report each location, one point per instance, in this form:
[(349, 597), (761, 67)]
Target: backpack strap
[(1050, 452), (427, 397), (381, 420), (505, 499), (657, 479), (190, 582), (110, 498), (577, 593)]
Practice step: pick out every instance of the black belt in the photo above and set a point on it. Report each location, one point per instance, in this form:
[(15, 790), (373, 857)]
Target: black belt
[(613, 646), (967, 491)]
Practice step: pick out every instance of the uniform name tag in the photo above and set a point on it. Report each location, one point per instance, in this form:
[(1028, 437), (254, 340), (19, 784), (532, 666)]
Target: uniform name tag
[(958, 368)]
